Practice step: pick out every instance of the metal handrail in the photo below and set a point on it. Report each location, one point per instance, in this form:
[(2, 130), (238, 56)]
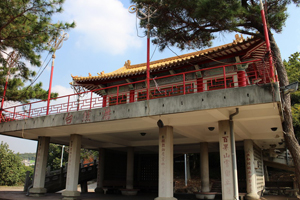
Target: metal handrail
[(218, 81)]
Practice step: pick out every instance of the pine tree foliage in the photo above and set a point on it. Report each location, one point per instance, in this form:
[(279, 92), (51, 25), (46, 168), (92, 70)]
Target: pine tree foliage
[(25, 28), (194, 23)]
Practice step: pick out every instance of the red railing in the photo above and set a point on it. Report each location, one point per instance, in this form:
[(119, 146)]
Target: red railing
[(213, 78)]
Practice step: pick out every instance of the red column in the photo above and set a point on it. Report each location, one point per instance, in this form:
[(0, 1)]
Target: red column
[(104, 101), (131, 96), (242, 78), (200, 86)]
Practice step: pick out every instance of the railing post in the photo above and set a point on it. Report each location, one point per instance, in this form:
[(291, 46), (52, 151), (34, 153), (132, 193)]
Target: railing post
[(68, 103), (14, 112), (183, 76), (91, 100), (29, 110), (117, 95), (224, 74), (78, 102)]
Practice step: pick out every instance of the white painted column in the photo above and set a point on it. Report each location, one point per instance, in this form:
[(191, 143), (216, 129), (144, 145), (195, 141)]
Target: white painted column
[(130, 168), (73, 168), (226, 161), (250, 170), (40, 167), (165, 183), (100, 171), (204, 167)]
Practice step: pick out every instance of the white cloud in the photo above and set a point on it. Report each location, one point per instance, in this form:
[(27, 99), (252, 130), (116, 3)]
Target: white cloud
[(102, 25), (61, 90)]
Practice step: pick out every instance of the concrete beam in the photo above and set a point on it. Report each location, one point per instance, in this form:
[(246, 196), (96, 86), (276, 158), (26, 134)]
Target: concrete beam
[(279, 166), (250, 95)]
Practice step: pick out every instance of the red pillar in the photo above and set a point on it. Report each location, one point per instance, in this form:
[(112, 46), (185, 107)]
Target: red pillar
[(131, 96), (200, 85), (242, 78), (104, 101)]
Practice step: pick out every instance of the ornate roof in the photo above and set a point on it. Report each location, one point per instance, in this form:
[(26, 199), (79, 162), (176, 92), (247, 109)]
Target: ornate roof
[(238, 45)]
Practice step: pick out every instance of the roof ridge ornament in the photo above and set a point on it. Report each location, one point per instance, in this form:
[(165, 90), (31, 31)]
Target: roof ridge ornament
[(101, 73), (238, 39), (127, 64)]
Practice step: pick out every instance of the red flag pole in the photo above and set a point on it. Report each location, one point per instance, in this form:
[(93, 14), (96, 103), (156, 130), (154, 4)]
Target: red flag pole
[(148, 60), (4, 92), (267, 39), (50, 84)]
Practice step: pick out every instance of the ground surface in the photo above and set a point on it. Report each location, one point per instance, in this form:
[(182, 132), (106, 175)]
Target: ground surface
[(16, 193)]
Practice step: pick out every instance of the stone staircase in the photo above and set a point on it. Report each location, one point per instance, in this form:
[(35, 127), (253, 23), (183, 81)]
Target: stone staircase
[(56, 180)]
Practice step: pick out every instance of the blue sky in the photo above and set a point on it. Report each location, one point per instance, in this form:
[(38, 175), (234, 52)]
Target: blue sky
[(106, 37)]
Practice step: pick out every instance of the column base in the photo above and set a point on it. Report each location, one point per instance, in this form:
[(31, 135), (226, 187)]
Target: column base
[(129, 192), (70, 195), (165, 198), (99, 190), (37, 192), (252, 196), (205, 195)]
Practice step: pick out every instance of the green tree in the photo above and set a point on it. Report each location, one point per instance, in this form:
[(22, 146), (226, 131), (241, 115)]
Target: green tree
[(194, 24), (293, 71), (25, 28), (27, 156), (10, 166), (54, 156)]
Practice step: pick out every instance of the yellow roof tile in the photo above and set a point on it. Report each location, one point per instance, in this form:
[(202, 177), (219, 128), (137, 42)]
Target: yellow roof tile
[(129, 69)]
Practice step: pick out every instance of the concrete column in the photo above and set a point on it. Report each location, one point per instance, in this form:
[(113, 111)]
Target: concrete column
[(73, 168), (100, 172), (228, 192), (130, 168), (40, 167), (165, 183), (204, 167), (250, 170)]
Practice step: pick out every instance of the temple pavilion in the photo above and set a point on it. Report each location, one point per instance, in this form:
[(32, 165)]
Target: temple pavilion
[(222, 100)]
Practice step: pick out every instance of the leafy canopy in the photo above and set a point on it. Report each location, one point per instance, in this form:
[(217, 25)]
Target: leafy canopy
[(12, 171), (55, 151), (293, 70), (194, 23), (25, 28)]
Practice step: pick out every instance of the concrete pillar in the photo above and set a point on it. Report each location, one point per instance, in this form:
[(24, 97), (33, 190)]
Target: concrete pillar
[(250, 170), (100, 172), (165, 183), (188, 167), (73, 168), (40, 167), (228, 186), (204, 167), (130, 168)]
